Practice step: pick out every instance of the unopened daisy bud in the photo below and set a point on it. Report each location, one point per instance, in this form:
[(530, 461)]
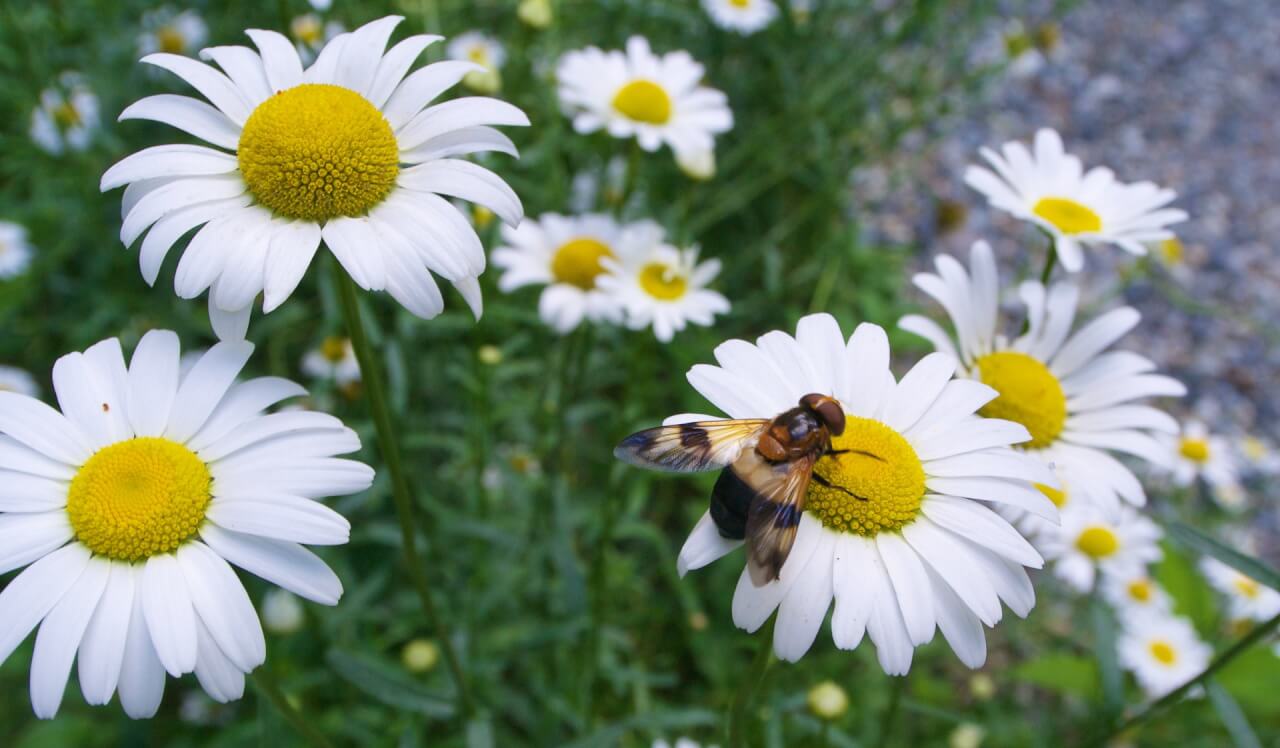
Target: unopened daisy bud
[(828, 700), (966, 735), (483, 81), (481, 216), (982, 687), (698, 621), (420, 655), (699, 164), (490, 354), (535, 13), (281, 612)]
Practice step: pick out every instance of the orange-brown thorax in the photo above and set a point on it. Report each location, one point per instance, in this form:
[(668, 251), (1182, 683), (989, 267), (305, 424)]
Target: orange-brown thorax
[(803, 430)]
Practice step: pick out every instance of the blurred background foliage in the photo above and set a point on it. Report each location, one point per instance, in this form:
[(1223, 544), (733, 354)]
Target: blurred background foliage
[(554, 566)]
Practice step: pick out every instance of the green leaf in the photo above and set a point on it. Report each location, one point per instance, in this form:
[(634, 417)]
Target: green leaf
[(1253, 679), (1232, 717), (388, 684), (1247, 565), (1062, 673), (1192, 596)]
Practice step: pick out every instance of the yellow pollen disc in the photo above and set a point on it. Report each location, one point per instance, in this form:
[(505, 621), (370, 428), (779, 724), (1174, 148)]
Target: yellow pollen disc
[(1015, 45), (307, 29), (1097, 542), (479, 55), (643, 101), (66, 116), (1140, 590), (138, 498), (317, 152), (1029, 394), (577, 262), (1196, 450), (1246, 587), (1164, 652), (171, 40), (1059, 498), (1172, 251), (740, 3), (663, 282), (1069, 216), (872, 482), (334, 349)]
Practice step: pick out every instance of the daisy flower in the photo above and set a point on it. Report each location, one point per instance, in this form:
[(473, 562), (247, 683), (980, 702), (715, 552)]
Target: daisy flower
[(67, 116), (15, 249), (742, 16), (1162, 652), (129, 507), (1093, 540), (697, 164), (1247, 599), (310, 33), (1077, 398), (565, 253), (903, 541), (282, 612), (175, 33), (1197, 453), (1260, 457), (1076, 208), (13, 379), (484, 51), (348, 152), (638, 94), (1135, 594), (664, 288), (335, 359)]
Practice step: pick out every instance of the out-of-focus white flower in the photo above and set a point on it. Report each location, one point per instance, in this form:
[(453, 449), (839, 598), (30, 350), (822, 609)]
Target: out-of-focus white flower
[(1247, 599), (165, 30), (15, 249), (664, 288), (13, 379), (828, 700), (1133, 593), (282, 612), (1162, 652), (483, 50), (1051, 189), (742, 16), (1197, 453), (697, 164), (67, 116), (335, 359), (1093, 539), (310, 33), (966, 735)]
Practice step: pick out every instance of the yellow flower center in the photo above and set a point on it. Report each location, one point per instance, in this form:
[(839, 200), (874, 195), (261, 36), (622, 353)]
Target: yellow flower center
[(1172, 251), (643, 101), (663, 282), (577, 262), (871, 481), (66, 116), (1047, 36), (1029, 394), (170, 40), (1164, 652), (479, 54), (1059, 498), (1254, 448), (1246, 587), (740, 3), (1140, 590), (138, 498), (307, 29), (334, 349), (1196, 450), (1015, 45), (1097, 542), (317, 152), (1069, 216)]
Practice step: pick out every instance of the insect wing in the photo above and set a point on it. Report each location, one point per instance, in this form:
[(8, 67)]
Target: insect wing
[(774, 516), (691, 447)]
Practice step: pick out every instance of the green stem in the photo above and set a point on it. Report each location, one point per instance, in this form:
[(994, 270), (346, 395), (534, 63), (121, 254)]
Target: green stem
[(747, 689), (267, 686), (375, 387), (1257, 634), (1050, 259), (890, 718)]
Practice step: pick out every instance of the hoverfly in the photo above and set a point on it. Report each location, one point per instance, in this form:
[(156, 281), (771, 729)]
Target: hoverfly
[(767, 465)]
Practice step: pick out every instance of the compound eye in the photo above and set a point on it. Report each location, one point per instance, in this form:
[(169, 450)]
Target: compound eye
[(829, 410)]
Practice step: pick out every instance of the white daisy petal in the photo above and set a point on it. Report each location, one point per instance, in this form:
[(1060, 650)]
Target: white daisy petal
[(215, 86), (33, 593), (102, 650), (221, 678), (141, 673), (223, 606), (804, 607), (704, 545), (282, 563), (187, 114), (166, 603), (204, 386), (282, 517), (27, 537), (910, 585), (60, 635), (279, 59)]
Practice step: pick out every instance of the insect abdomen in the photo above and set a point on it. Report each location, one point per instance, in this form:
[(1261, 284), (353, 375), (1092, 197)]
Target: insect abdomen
[(730, 499)]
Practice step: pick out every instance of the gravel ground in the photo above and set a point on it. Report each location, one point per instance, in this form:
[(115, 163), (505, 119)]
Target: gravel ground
[(1182, 93)]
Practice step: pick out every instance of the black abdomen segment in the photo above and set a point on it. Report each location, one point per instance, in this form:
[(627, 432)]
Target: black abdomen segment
[(730, 500)]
